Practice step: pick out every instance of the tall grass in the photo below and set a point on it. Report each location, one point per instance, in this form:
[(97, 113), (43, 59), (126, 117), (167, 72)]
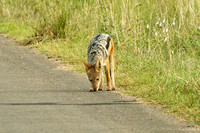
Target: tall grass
[(157, 42)]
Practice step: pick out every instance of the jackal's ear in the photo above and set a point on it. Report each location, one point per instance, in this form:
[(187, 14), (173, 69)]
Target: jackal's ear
[(98, 64), (87, 66)]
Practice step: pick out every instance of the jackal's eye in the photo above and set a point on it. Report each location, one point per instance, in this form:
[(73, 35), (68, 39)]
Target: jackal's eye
[(90, 80), (97, 79)]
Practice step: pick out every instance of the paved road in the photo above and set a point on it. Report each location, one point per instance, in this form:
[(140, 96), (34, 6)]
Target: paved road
[(37, 97)]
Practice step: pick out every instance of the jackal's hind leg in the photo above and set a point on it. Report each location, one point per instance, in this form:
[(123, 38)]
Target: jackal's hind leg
[(112, 66), (108, 75)]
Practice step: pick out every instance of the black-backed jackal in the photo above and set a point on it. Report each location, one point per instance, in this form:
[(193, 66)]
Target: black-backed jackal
[(100, 53)]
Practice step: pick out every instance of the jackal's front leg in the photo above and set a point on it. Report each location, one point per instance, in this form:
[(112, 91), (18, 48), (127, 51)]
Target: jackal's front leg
[(108, 76), (101, 82)]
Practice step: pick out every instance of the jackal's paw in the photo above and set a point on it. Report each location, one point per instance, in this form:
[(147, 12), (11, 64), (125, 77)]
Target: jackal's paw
[(92, 90), (100, 89), (109, 89), (113, 89)]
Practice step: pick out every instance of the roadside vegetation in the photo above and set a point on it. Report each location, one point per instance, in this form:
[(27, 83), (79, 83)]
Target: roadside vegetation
[(157, 43)]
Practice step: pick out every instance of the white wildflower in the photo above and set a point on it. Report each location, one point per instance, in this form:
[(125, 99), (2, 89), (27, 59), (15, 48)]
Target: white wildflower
[(160, 24), (165, 39), (156, 33), (163, 20), (147, 26), (173, 23), (157, 22), (199, 28), (166, 30)]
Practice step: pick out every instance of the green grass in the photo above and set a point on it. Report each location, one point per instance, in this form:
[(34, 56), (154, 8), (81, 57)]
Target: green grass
[(157, 43), (16, 30)]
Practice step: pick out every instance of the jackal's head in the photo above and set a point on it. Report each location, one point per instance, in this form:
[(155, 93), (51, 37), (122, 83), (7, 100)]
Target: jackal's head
[(94, 73)]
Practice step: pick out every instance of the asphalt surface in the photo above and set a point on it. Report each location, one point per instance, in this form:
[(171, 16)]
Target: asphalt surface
[(38, 97)]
